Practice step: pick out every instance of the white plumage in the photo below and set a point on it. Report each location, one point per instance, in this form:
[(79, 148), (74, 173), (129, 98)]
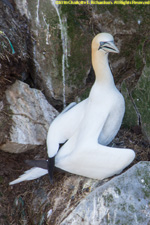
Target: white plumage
[(31, 174), (90, 125)]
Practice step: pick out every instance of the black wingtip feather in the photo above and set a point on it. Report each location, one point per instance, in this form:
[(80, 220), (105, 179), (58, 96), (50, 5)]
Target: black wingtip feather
[(37, 163)]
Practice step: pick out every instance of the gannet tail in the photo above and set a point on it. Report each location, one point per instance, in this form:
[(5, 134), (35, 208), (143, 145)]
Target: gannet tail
[(31, 174)]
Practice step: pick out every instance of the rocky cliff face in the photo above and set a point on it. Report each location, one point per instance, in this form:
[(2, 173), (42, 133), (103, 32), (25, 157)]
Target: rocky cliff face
[(48, 47), (56, 45)]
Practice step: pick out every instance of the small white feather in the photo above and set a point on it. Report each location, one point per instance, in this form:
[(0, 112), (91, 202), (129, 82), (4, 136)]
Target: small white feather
[(31, 174)]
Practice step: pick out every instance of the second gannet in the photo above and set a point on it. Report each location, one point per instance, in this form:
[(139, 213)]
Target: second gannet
[(86, 128)]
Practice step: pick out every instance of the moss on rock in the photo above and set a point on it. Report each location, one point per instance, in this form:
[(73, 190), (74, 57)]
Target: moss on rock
[(141, 96), (130, 117)]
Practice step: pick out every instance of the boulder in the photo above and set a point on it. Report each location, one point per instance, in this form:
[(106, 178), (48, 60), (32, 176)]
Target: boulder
[(27, 116), (122, 200)]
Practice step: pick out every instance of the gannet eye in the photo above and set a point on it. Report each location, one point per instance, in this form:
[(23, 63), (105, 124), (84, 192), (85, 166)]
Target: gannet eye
[(101, 44)]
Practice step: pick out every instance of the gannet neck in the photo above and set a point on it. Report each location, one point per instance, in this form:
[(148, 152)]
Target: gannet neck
[(101, 68)]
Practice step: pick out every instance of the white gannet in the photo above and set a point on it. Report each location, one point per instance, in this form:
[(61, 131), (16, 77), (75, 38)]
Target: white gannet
[(87, 127)]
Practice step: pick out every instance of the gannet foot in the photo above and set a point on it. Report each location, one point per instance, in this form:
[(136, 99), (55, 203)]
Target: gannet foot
[(51, 164)]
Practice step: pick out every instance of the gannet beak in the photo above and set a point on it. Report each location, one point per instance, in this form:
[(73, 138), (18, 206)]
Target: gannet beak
[(108, 46), (113, 47), (51, 164)]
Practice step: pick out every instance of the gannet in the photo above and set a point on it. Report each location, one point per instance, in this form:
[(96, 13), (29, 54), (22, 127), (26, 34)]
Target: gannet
[(87, 127)]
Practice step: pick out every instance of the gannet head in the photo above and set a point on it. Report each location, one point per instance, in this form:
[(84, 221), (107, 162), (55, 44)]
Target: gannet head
[(104, 42)]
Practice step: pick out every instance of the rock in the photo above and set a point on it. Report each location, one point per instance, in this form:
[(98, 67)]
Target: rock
[(141, 95), (46, 27), (60, 58), (15, 45), (137, 103), (54, 48), (28, 115), (123, 200), (131, 117), (61, 49), (63, 196)]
